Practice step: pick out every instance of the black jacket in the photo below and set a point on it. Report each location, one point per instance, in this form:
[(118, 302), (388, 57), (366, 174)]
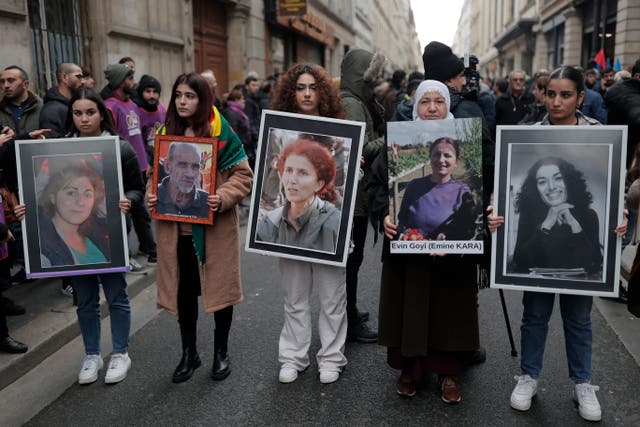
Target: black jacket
[(623, 108), (253, 111), (510, 110), (54, 112), (132, 181)]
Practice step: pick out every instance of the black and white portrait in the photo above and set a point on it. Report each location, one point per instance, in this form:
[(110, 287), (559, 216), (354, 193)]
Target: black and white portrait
[(557, 202), (560, 190)]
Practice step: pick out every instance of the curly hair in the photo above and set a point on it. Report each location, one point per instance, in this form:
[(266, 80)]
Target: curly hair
[(322, 162), (200, 121), (284, 95), (529, 202)]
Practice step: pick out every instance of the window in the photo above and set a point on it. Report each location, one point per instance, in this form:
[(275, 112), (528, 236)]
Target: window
[(54, 38), (555, 43)]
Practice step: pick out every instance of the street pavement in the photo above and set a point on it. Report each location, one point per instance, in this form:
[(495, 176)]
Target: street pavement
[(364, 394)]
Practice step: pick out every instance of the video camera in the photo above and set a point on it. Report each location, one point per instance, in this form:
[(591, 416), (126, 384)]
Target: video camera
[(471, 71)]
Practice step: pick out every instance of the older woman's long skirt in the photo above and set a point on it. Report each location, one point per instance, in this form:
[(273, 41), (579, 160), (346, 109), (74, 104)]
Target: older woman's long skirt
[(428, 305)]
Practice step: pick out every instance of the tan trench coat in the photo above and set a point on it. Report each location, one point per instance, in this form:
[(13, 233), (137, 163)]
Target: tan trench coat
[(220, 277)]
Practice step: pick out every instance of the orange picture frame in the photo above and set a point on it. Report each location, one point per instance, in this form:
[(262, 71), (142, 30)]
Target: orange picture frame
[(192, 165)]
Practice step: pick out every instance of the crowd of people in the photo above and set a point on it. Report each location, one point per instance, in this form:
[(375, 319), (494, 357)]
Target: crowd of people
[(428, 317)]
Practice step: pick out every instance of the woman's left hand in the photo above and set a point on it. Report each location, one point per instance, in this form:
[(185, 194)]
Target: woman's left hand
[(493, 222), (621, 229), (19, 211), (124, 205), (215, 202)]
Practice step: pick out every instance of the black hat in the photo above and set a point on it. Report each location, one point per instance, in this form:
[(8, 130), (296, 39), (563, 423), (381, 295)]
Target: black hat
[(148, 81), (440, 63)]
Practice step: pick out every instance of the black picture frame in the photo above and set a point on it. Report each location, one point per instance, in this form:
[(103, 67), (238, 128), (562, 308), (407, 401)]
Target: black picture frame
[(279, 129), (37, 161), (526, 259)]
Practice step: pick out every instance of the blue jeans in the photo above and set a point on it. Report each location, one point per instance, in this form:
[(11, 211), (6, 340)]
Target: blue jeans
[(88, 293), (576, 321)]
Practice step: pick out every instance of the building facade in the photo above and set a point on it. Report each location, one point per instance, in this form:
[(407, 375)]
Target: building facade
[(231, 37), (544, 34)]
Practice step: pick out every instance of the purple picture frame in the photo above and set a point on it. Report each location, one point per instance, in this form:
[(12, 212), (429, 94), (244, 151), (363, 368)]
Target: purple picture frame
[(85, 171)]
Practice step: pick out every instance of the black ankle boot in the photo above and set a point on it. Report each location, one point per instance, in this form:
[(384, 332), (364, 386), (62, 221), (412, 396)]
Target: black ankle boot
[(190, 362), (221, 365)]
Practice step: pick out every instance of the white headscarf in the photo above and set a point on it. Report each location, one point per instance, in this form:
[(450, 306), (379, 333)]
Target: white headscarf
[(431, 86)]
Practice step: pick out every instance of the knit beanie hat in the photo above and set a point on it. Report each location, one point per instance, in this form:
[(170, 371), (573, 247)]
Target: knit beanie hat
[(116, 73), (148, 81), (440, 63)]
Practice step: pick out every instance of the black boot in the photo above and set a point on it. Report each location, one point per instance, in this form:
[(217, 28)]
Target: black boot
[(9, 345), (190, 362), (221, 364)]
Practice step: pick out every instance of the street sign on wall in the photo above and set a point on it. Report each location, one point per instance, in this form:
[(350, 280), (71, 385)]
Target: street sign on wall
[(292, 7)]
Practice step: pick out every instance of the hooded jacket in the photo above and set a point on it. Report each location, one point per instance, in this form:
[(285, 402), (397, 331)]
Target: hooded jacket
[(54, 112), (358, 71)]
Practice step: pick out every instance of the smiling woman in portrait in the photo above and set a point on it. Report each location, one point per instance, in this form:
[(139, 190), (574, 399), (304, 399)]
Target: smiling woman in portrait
[(557, 227)]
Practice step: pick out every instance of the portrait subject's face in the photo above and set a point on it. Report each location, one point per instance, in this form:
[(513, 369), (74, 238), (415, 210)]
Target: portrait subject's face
[(306, 95), (443, 161), (432, 106), (74, 202), (300, 179), (551, 185), (184, 169)]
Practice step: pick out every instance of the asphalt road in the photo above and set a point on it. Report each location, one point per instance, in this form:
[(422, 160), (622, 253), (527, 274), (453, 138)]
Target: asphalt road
[(365, 393)]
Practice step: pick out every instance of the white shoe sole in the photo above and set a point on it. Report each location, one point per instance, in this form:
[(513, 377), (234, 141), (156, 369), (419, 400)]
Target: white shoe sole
[(585, 416), (522, 406)]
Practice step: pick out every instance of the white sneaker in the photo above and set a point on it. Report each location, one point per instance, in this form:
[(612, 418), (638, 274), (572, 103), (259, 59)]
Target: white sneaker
[(328, 377), (118, 367), (135, 266), (523, 392), (91, 365), (287, 374), (584, 395)]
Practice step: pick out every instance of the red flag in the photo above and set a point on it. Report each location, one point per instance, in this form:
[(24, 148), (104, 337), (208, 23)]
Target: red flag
[(600, 59)]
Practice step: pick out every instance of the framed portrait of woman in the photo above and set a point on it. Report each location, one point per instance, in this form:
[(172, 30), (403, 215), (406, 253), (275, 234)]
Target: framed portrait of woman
[(304, 187), (435, 186), (185, 177), (71, 188), (561, 192)]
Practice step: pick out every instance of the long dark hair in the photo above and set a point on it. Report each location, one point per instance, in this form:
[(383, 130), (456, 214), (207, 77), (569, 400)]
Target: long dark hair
[(201, 119), (106, 122), (529, 203)]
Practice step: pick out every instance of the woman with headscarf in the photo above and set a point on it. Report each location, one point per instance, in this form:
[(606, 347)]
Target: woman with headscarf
[(428, 317)]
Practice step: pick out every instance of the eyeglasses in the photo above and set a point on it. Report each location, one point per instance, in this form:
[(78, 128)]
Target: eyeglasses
[(517, 79)]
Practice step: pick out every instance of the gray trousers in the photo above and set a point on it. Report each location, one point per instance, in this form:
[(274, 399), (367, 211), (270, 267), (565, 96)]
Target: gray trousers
[(298, 280)]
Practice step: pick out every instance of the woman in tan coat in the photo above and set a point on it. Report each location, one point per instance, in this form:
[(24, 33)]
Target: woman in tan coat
[(199, 259)]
